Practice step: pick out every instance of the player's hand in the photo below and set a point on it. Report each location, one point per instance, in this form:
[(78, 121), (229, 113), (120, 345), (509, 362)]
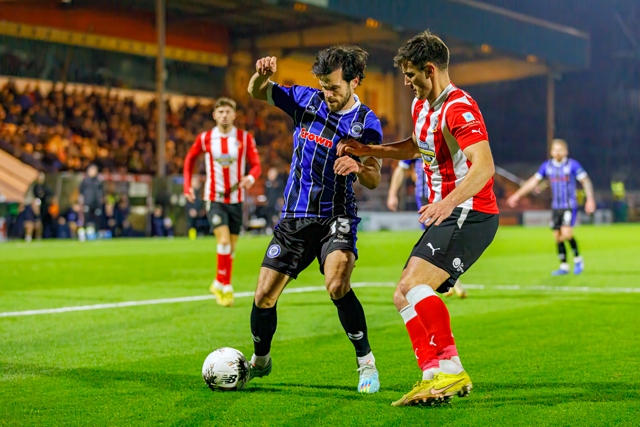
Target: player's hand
[(435, 213), (346, 165), (590, 206), (392, 203), (246, 182), (512, 201), (191, 195), (266, 66), (353, 147)]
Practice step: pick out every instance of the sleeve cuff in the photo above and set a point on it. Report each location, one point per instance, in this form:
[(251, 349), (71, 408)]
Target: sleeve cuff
[(252, 179), (403, 165), (270, 93), (581, 176), (538, 176)]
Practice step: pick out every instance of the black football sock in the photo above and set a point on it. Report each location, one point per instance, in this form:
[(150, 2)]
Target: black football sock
[(562, 252), (574, 247), (351, 316), (263, 327)]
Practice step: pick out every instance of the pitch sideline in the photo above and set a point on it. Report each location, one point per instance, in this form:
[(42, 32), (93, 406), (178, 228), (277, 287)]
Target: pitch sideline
[(569, 289)]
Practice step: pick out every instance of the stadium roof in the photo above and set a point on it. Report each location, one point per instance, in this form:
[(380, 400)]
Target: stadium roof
[(487, 43)]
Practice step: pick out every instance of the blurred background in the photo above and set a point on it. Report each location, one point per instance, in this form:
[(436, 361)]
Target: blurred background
[(126, 85)]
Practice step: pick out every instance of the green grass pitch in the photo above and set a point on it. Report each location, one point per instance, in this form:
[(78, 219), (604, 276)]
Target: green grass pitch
[(537, 356)]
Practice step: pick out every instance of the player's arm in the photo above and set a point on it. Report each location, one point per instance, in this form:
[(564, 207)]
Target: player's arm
[(480, 171), (525, 189), (396, 181), (189, 163), (367, 172), (401, 150), (255, 168), (259, 83), (590, 204)]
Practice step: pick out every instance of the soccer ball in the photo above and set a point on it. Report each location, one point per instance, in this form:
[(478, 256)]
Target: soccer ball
[(225, 369)]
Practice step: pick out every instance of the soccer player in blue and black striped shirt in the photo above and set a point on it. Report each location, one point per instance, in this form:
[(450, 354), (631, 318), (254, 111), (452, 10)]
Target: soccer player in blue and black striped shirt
[(319, 217), (563, 174)]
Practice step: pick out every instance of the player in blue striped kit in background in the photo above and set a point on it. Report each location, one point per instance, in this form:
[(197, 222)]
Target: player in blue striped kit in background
[(422, 198), (562, 173), (319, 216)]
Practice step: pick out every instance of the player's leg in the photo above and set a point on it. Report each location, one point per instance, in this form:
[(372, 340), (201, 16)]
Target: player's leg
[(338, 267), (221, 286), (288, 254), (235, 226), (562, 250), (425, 353), (567, 234), (28, 231), (264, 319), (419, 281)]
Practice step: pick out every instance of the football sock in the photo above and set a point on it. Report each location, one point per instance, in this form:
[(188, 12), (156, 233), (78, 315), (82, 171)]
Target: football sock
[(433, 314), (425, 353), (574, 247), (451, 366), (367, 358), (224, 264), (351, 316), (263, 327), (562, 252), (217, 285), (260, 360)]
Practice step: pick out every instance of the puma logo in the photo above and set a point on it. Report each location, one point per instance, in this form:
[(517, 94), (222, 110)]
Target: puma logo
[(433, 250), (432, 342)]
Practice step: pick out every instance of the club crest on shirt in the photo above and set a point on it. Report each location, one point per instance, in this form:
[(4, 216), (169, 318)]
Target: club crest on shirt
[(435, 124), (312, 109), (356, 130)]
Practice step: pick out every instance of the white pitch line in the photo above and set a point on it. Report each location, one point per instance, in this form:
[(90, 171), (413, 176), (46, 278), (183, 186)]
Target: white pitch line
[(569, 289)]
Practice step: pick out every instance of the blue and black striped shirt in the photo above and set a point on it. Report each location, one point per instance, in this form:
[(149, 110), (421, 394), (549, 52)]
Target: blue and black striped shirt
[(313, 190)]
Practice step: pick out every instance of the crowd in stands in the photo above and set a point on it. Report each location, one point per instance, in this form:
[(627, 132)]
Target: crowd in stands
[(68, 130)]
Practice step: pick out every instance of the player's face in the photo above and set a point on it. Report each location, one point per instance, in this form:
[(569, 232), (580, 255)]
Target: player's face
[(417, 80), (224, 116), (337, 91), (559, 151)]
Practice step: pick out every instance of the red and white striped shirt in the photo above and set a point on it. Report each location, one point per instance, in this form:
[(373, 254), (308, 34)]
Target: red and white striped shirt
[(442, 131), (226, 158)]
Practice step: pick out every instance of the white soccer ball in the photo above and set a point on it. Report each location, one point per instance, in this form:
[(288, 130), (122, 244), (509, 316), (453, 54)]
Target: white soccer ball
[(225, 369)]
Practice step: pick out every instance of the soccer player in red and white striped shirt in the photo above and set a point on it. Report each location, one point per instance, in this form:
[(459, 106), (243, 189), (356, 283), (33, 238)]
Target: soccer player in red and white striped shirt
[(227, 151), (461, 218)]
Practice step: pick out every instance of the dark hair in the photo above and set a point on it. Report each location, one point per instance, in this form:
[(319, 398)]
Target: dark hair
[(225, 102), (352, 60), (423, 48)]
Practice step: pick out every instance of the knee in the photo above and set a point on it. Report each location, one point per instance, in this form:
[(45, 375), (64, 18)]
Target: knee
[(399, 299), (263, 298), (404, 286), (337, 288)]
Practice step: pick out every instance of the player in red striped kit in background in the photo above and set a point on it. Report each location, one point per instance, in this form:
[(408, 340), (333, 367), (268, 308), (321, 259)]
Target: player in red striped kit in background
[(227, 151)]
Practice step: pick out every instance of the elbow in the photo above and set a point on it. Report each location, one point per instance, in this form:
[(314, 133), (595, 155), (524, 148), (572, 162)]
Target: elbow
[(372, 183)]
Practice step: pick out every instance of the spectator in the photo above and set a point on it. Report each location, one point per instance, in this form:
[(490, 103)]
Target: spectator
[(91, 196), (42, 191)]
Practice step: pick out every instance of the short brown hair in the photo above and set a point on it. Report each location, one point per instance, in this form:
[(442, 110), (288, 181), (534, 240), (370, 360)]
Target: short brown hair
[(423, 48), (225, 102), (352, 60), (560, 142)]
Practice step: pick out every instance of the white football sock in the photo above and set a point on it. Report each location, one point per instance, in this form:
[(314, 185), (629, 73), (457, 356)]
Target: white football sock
[(451, 366), (577, 259), (430, 373), (368, 358), (564, 266), (260, 360), (227, 288), (217, 285)]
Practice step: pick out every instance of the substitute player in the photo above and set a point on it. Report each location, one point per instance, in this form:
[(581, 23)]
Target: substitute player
[(461, 218), (319, 217), (562, 173), (227, 151), (422, 198)]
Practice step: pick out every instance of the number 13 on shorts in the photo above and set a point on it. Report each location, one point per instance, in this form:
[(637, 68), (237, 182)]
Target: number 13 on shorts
[(341, 225)]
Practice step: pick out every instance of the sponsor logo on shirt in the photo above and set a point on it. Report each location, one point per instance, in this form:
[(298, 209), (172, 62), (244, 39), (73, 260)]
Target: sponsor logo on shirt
[(468, 117), (305, 134)]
